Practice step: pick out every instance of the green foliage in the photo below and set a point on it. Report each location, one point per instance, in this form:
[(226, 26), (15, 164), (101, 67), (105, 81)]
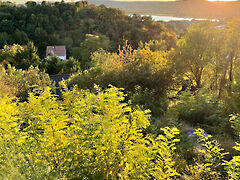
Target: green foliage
[(202, 110), (68, 24), (130, 68), (198, 109), (71, 65), (165, 146), (98, 136), (22, 57), (4, 39), (235, 122), (154, 45), (194, 51), (233, 166), (21, 82), (20, 37), (178, 26), (148, 100), (211, 149), (54, 65), (88, 46), (231, 79), (233, 169), (207, 56), (210, 157), (94, 133), (85, 135)]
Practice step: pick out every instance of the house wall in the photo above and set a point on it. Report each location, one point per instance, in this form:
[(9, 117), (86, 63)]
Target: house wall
[(61, 57)]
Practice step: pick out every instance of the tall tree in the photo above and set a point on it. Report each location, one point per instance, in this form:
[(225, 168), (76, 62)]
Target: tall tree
[(194, 52)]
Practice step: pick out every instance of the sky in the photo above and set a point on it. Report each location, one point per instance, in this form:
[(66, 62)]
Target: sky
[(119, 0), (143, 0), (169, 0)]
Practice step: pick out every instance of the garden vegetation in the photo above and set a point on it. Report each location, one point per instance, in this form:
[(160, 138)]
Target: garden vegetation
[(139, 104)]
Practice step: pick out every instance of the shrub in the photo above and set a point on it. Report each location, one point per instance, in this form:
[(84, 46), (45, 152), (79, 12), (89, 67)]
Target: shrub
[(85, 135), (97, 136), (147, 99), (21, 82), (150, 70), (22, 57), (210, 158), (233, 166), (54, 65), (198, 109)]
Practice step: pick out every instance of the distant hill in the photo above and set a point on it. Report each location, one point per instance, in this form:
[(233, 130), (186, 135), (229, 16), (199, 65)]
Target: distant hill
[(181, 8), (184, 8)]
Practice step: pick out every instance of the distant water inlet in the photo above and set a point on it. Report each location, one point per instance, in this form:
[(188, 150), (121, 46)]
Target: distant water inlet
[(171, 18)]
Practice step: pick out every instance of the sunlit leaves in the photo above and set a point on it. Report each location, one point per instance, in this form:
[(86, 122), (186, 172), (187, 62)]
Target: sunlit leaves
[(233, 166), (85, 135), (210, 157)]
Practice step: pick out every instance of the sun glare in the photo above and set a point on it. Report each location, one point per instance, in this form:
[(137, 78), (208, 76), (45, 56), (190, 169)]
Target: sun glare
[(222, 0)]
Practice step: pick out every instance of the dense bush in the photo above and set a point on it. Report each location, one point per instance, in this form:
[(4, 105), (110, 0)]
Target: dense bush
[(54, 65), (21, 82), (147, 99), (201, 110), (86, 135), (97, 136), (198, 109), (150, 70), (22, 57)]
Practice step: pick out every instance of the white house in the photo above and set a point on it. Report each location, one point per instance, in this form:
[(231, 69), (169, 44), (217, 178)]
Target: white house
[(59, 51)]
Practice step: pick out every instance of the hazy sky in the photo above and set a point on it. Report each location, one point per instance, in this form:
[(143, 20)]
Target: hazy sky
[(21, 1), (143, 0), (169, 0)]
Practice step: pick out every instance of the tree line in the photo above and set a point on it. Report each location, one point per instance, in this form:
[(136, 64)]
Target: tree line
[(80, 26)]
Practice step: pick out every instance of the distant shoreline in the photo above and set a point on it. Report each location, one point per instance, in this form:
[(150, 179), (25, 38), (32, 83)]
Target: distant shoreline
[(183, 9)]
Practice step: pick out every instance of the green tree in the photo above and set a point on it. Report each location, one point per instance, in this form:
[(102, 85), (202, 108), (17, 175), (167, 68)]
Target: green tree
[(31, 3), (194, 52), (20, 82), (54, 65), (231, 71), (22, 57), (88, 46), (208, 164), (20, 37), (5, 39)]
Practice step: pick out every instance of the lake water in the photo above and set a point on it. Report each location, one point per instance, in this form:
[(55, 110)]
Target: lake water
[(171, 18)]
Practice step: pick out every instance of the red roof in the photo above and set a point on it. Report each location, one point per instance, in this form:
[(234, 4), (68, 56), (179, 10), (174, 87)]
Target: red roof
[(56, 50)]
